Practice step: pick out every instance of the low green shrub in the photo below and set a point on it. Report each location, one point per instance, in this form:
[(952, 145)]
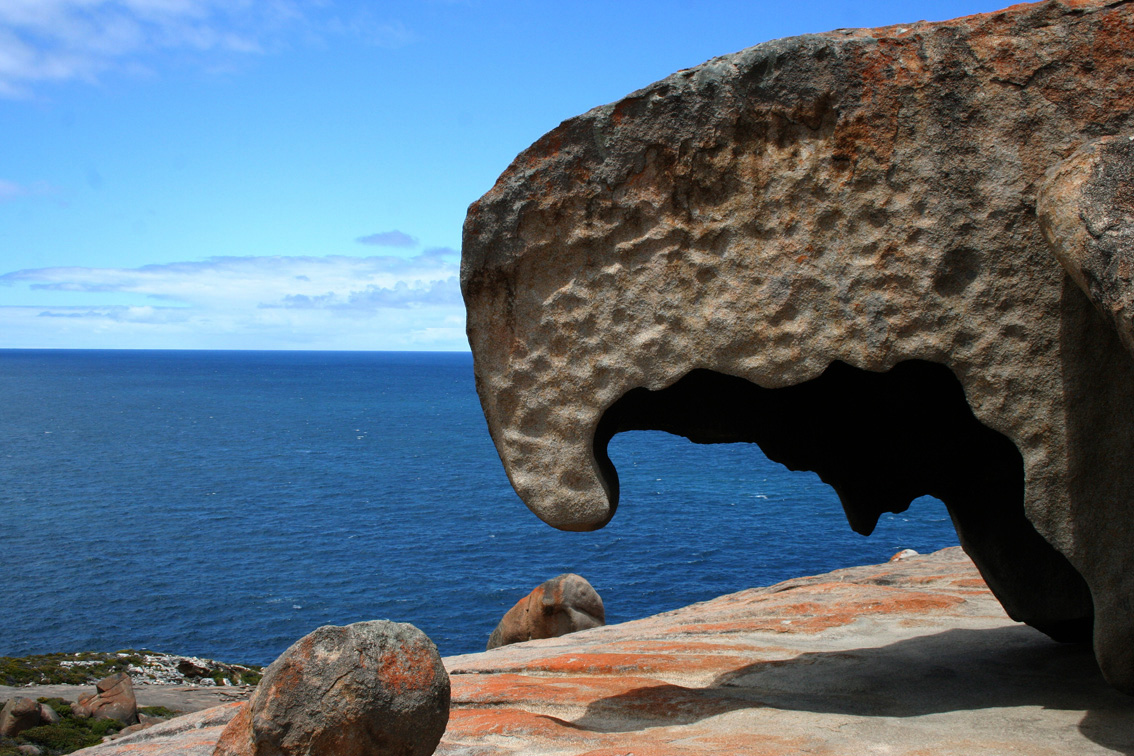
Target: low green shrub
[(70, 734), (159, 711)]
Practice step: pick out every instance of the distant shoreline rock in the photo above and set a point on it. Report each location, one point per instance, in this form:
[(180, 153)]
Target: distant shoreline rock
[(565, 604)]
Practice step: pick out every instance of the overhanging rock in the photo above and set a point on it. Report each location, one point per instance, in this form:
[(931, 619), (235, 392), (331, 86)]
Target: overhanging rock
[(829, 245)]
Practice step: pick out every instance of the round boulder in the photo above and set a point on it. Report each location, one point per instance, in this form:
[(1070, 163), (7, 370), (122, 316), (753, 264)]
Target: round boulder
[(562, 605), (367, 689)]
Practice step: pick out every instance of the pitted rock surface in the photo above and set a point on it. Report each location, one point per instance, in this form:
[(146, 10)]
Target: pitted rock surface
[(565, 604), (368, 689), (824, 238)]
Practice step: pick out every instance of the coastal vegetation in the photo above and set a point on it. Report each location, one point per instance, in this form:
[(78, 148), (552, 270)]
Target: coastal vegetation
[(65, 669), (71, 733), (86, 668)]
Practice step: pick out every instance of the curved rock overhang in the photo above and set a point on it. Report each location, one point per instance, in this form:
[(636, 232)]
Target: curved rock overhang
[(865, 197)]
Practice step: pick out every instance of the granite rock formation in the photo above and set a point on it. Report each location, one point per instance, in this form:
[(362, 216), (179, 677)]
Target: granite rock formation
[(19, 714), (828, 245), (113, 699), (368, 689), (565, 604)]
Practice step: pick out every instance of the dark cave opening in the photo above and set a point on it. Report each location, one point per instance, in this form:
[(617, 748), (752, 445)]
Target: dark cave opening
[(881, 440)]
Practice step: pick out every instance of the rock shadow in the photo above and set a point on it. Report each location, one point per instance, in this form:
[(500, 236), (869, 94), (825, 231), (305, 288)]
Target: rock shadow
[(955, 670), (882, 439)]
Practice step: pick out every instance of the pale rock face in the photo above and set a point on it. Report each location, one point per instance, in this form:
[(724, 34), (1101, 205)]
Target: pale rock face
[(834, 238), (1086, 210)]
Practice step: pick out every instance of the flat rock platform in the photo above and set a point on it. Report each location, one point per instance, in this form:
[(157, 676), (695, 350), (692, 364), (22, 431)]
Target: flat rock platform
[(908, 658)]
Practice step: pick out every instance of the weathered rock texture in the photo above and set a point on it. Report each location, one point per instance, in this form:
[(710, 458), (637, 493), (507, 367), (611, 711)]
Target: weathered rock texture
[(565, 604), (1086, 209), (19, 714), (113, 699), (368, 689), (911, 658), (194, 734), (828, 245)]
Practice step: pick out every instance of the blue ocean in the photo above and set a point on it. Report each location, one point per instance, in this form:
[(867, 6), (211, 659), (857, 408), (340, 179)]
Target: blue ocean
[(224, 504)]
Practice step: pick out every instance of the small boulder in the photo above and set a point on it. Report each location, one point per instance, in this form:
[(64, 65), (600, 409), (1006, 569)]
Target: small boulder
[(114, 700), (19, 714), (48, 715), (903, 554), (28, 749), (559, 606), (368, 689)]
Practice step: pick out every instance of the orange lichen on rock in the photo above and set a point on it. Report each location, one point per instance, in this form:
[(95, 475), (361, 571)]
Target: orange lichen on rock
[(917, 677)]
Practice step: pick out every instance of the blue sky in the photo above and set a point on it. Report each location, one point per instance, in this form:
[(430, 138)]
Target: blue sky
[(293, 174)]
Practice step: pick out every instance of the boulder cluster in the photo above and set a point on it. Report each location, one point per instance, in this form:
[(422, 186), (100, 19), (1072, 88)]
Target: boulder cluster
[(374, 688), (113, 699)]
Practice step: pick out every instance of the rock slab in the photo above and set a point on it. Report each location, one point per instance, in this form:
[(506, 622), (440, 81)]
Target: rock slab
[(368, 689), (194, 734), (909, 658), (565, 604)]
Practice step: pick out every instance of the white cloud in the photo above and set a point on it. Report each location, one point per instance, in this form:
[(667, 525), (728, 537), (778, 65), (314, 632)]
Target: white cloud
[(393, 238), (221, 281), (332, 302), (64, 40), (400, 295)]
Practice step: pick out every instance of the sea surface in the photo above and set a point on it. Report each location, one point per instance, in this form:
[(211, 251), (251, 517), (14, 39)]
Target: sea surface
[(224, 504)]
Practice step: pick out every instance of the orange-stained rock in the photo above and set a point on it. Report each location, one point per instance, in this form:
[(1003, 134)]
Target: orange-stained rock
[(368, 689), (113, 699), (565, 604), (194, 734), (908, 676)]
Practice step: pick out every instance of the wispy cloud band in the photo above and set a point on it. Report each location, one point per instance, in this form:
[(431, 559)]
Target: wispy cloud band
[(336, 301), (63, 40)]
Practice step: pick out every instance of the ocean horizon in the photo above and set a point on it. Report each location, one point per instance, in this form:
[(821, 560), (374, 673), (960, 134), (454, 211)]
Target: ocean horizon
[(225, 503)]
